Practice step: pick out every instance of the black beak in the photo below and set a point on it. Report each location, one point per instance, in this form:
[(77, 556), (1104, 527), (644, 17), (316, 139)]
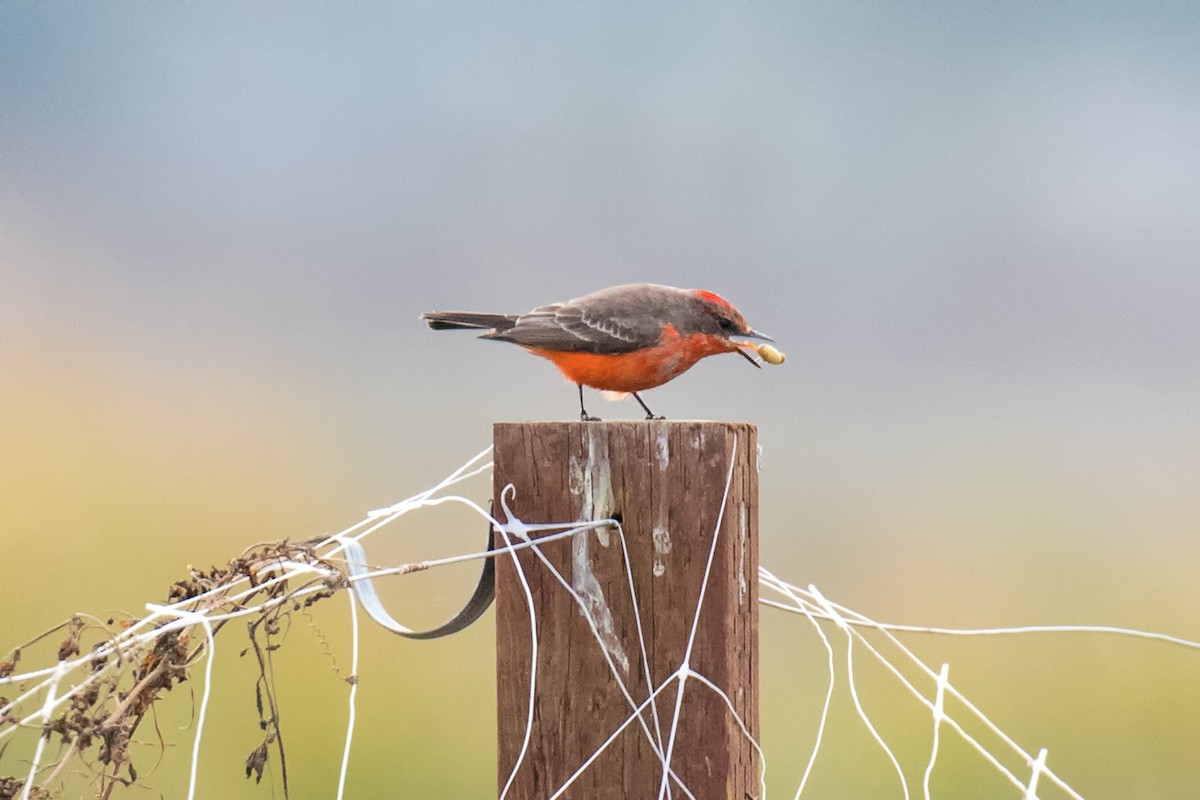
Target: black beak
[(753, 334)]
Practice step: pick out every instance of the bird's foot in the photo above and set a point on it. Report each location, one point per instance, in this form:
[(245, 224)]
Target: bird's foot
[(585, 417), (654, 417)]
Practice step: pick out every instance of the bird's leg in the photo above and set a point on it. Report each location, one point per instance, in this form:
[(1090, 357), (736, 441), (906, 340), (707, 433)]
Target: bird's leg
[(649, 413), (583, 415)]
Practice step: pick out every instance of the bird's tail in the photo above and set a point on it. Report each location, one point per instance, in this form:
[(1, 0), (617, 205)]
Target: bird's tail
[(448, 320)]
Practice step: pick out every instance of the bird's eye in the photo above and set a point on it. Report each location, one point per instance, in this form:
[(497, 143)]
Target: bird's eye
[(728, 325)]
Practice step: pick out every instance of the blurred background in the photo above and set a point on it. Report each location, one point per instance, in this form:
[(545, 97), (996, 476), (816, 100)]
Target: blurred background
[(973, 228)]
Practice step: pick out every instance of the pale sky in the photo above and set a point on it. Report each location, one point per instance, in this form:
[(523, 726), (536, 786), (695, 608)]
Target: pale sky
[(973, 227)]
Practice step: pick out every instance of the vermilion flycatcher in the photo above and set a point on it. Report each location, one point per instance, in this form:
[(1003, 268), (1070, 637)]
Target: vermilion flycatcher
[(624, 339)]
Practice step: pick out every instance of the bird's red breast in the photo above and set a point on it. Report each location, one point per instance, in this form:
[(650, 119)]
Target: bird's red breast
[(639, 369)]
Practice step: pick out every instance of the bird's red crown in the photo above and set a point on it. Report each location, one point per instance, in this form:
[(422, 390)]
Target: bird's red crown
[(712, 297)]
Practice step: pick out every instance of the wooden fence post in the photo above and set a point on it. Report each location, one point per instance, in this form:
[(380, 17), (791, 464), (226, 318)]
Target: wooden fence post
[(664, 480)]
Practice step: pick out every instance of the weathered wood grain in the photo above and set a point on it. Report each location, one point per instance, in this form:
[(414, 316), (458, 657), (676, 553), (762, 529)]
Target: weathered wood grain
[(664, 480)]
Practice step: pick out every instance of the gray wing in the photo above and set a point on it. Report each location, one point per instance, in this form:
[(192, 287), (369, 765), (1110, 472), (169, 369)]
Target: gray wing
[(608, 322)]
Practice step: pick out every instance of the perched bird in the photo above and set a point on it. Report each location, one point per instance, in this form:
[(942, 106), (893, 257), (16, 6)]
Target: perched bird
[(623, 339)]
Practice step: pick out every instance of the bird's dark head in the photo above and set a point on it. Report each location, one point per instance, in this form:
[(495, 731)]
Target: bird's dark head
[(719, 319)]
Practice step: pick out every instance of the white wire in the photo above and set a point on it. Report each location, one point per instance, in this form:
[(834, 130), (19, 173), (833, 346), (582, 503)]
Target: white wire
[(353, 698), (202, 610), (939, 713), (655, 739), (195, 618), (767, 579), (862, 712), (521, 530), (686, 667)]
